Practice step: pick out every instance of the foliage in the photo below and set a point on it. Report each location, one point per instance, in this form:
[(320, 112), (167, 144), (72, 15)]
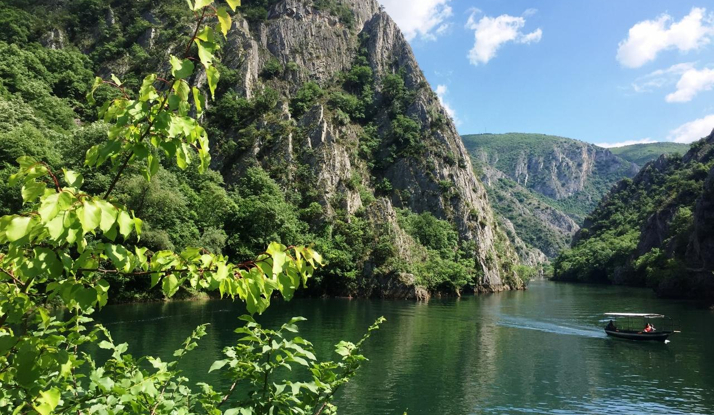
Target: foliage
[(450, 262), (272, 68), (63, 242), (513, 149), (639, 234), (305, 98), (642, 154), (337, 8)]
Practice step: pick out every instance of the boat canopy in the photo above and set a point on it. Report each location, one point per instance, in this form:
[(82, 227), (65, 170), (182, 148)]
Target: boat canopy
[(644, 315)]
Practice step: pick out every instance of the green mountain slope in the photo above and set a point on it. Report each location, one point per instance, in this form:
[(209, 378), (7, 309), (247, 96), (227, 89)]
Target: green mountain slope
[(323, 131), (538, 224), (570, 175), (642, 154), (655, 230)]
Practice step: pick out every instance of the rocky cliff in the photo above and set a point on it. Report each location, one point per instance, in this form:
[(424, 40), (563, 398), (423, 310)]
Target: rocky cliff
[(574, 175), (543, 229), (428, 171), (654, 230), (327, 99)]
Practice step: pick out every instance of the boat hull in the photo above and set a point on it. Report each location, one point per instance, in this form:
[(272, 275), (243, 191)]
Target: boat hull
[(659, 336)]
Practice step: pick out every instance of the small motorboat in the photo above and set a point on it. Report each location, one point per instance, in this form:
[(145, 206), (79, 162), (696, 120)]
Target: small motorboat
[(622, 325)]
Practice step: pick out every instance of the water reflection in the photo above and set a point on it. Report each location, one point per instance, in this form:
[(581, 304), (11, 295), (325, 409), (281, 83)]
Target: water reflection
[(541, 351)]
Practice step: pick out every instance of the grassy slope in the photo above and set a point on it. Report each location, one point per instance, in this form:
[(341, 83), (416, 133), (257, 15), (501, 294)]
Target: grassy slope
[(640, 154)]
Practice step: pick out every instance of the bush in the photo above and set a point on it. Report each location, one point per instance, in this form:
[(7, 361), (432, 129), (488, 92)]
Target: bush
[(271, 69), (305, 98)]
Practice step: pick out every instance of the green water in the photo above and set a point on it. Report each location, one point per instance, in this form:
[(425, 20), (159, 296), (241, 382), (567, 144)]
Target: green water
[(536, 352)]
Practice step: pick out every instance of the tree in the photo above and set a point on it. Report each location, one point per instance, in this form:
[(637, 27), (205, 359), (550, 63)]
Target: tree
[(63, 243)]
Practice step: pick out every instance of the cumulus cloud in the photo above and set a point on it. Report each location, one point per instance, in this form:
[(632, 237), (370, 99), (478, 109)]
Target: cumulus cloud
[(691, 83), (661, 77), (441, 91), (648, 38), (626, 143), (693, 130), (493, 32), (425, 19)]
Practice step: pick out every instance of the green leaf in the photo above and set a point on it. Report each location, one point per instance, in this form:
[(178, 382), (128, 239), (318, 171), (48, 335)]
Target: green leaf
[(48, 401), (18, 228), (90, 215), (224, 20), (233, 4), (198, 100), (96, 84), (201, 4), (85, 297), (55, 227), (213, 76), (181, 69), (126, 223), (147, 91), (31, 190), (217, 365), (206, 50), (207, 34), (170, 285), (279, 255), (155, 279), (73, 179), (108, 216), (116, 80), (53, 204)]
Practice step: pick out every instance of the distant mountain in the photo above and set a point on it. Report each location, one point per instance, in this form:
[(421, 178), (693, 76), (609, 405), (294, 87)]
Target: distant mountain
[(545, 230), (571, 175), (543, 186), (655, 230), (642, 154)]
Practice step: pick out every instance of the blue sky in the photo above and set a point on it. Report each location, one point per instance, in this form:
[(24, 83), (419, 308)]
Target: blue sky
[(602, 71)]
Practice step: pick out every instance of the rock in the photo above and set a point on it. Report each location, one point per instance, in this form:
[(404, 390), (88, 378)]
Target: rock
[(321, 47), (54, 39)]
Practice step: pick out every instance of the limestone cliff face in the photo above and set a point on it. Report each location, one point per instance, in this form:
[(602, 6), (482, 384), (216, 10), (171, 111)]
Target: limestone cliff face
[(316, 46), (539, 231), (656, 229), (573, 173)]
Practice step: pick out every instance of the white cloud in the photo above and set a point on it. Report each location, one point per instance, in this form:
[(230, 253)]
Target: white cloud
[(693, 130), (493, 32), (691, 83), (441, 91), (424, 18), (661, 77), (648, 38), (626, 143)]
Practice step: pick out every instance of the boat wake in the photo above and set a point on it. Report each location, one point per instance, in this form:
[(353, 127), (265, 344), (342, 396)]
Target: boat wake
[(549, 327)]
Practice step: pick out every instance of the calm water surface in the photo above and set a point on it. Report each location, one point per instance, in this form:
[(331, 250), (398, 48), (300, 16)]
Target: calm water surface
[(536, 352)]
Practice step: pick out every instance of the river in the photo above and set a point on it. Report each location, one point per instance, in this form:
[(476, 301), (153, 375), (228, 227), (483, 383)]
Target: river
[(540, 351)]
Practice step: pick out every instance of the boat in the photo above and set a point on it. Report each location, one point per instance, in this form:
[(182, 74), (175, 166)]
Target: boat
[(622, 327)]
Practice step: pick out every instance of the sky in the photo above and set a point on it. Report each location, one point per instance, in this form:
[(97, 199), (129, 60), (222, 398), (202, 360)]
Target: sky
[(609, 72)]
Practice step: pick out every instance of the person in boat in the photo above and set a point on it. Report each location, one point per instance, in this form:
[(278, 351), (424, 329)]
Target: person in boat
[(649, 328), (611, 326)]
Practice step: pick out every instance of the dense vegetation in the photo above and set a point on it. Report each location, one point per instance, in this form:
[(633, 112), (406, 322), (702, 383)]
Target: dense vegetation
[(240, 204), (64, 237), (649, 231), (524, 209), (642, 154), (517, 153)]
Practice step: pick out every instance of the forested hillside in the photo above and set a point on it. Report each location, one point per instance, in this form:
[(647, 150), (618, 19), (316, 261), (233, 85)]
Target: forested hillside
[(542, 227), (324, 132), (642, 154), (571, 175), (656, 230)]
